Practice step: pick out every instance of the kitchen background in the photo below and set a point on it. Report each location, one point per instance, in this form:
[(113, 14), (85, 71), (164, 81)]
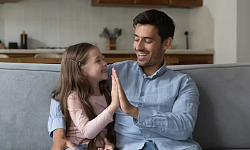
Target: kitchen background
[(222, 25)]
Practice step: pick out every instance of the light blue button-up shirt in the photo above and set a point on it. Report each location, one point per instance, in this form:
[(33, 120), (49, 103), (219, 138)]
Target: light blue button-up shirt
[(168, 105)]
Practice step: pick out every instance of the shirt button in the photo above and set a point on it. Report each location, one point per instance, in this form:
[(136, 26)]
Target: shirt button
[(143, 123), (162, 130)]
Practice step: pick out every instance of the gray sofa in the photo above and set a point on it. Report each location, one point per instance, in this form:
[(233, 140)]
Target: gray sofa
[(224, 113)]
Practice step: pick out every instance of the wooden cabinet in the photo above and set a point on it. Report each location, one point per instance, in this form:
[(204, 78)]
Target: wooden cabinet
[(139, 2), (152, 2), (185, 3), (115, 1), (171, 59), (32, 60), (161, 3), (29, 58), (177, 58), (190, 59), (112, 58)]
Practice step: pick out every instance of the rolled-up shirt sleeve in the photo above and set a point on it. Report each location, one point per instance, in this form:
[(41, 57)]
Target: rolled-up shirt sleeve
[(56, 118), (180, 122)]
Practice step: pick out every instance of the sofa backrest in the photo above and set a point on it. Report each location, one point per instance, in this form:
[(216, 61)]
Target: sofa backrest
[(224, 112), (223, 120), (25, 101)]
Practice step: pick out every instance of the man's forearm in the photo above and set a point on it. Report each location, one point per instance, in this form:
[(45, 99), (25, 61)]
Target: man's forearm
[(178, 125), (133, 112)]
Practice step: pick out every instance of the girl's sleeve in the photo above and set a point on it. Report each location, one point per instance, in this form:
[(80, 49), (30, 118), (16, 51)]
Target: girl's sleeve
[(89, 128)]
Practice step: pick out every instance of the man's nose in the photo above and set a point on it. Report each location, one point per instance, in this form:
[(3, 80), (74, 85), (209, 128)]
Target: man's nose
[(140, 45), (105, 63)]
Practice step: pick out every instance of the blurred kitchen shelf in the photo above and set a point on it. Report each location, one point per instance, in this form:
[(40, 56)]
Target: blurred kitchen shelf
[(173, 57)]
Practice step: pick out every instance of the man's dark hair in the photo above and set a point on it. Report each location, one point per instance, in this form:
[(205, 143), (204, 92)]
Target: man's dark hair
[(159, 19)]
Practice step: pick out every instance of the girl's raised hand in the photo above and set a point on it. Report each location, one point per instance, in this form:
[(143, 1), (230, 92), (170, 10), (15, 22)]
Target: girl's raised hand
[(125, 105), (115, 103), (114, 92)]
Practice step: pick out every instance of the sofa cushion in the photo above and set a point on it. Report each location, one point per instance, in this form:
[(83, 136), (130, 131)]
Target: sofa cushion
[(224, 112), (223, 120)]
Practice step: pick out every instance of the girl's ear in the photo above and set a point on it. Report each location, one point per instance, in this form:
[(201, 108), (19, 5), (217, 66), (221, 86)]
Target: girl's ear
[(167, 43), (83, 71)]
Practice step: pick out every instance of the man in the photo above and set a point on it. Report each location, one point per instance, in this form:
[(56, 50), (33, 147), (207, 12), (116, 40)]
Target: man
[(158, 108)]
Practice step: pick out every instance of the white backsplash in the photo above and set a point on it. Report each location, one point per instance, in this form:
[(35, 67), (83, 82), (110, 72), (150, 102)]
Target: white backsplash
[(1, 23), (60, 23)]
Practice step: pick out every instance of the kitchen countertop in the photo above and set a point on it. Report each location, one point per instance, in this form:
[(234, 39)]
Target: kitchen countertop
[(60, 51)]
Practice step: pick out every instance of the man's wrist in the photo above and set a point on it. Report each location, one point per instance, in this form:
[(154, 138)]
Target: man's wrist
[(134, 112), (59, 134)]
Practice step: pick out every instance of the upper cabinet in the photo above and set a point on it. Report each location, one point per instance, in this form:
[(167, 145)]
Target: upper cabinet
[(5, 1), (114, 1), (152, 2), (185, 3), (163, 3)]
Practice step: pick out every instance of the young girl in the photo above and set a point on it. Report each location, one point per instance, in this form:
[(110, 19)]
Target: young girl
[(83, 96)]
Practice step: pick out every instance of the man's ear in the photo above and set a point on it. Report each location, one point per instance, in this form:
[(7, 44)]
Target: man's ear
[(167, 43)]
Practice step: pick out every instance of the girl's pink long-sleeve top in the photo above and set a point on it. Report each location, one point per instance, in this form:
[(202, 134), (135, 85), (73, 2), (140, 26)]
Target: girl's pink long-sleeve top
[(82, 129)]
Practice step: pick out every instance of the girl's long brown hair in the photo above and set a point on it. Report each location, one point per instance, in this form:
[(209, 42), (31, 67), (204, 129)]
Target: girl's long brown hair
[(72, 79)]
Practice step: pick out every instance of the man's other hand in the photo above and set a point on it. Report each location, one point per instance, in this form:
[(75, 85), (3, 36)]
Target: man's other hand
[(60, 142), (108, 145)]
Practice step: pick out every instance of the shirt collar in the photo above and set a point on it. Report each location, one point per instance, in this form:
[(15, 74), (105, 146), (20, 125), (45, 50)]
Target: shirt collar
[(160, 71)]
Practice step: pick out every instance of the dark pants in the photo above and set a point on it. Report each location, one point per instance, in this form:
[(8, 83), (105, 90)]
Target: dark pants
[(150, 145), (79, 147)]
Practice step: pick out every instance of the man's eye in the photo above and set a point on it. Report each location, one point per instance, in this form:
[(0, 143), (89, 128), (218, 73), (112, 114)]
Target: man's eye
[(148, 41), (136, 40)]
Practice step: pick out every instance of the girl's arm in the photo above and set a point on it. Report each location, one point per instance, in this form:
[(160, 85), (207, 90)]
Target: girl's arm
[(89, 128)]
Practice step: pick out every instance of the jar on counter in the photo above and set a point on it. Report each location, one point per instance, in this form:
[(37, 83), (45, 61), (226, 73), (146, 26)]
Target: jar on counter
[(1, 45)]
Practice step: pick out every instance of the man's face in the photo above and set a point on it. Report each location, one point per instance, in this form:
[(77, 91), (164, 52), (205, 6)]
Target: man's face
[(148, 47)]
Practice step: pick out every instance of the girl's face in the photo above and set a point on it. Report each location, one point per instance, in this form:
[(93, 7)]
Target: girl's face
[(96, 68)]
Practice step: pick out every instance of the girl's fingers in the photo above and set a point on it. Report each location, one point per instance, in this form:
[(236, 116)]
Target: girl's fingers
[(118, 84), (117, 80), (113, 74), (113, 80), (113, 83)]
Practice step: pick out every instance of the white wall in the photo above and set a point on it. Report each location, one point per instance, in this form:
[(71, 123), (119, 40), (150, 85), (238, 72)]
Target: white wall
[(225, 30), (201, 28), (224, 25), (1, 23), (224, 17), (243, 31), (60, 23)]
